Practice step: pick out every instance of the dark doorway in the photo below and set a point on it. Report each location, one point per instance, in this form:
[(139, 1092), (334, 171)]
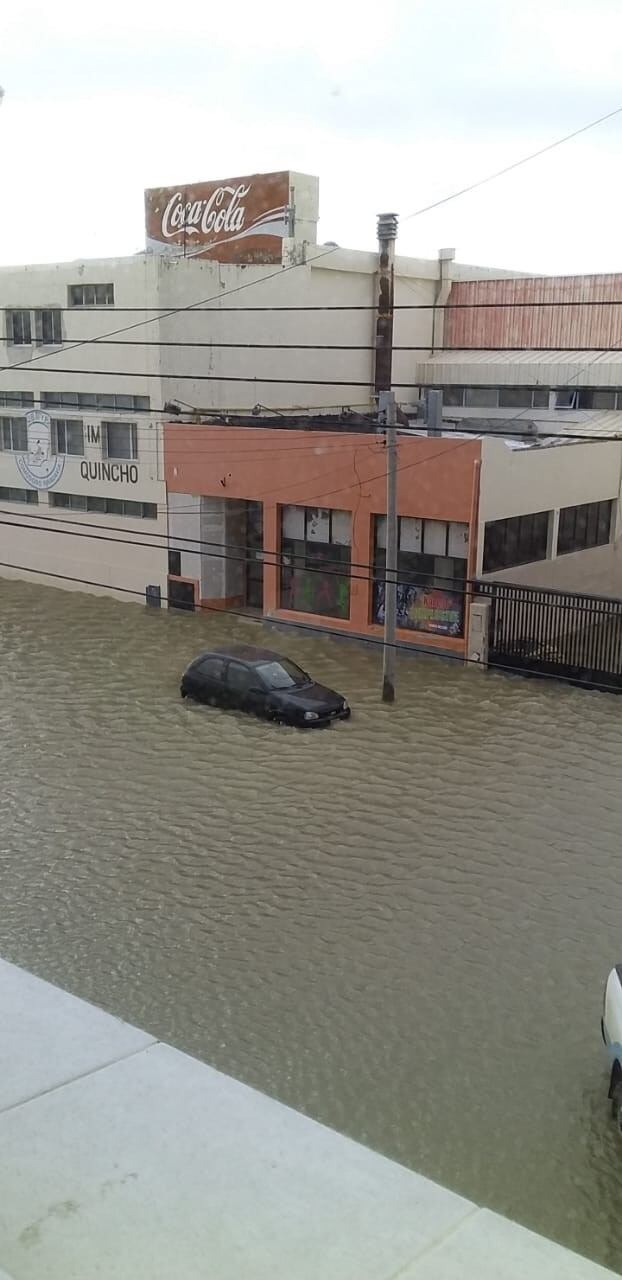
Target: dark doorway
[(254, 555), (180, 594)]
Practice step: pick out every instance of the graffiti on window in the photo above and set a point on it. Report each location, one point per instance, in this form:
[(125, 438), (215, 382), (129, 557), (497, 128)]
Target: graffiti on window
[(311, 592), (424, 609)]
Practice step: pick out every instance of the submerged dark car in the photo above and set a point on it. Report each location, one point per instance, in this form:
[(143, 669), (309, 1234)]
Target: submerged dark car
[(263, 683)]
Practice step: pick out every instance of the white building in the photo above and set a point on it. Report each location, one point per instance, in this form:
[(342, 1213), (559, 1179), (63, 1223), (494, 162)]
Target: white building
[(93, 350)]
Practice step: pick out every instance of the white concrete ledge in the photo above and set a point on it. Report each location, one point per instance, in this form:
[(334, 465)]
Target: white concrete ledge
[(123, 1159)]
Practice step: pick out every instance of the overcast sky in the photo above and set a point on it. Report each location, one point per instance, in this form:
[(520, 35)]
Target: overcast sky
[(393, 105)]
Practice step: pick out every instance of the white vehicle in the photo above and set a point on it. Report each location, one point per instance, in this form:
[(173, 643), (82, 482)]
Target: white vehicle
[(611, 1024)]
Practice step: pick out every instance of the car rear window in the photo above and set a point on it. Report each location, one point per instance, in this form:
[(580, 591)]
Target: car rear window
[(282, 674)]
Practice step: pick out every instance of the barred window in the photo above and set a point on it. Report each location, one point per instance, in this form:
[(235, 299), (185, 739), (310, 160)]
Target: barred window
[(518, 540), (585, 526)]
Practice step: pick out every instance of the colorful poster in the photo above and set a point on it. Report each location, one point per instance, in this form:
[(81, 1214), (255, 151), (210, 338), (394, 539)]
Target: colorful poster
[(424, 609)]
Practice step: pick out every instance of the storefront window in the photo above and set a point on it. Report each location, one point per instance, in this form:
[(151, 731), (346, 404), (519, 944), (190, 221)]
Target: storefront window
[(431, 563), (315, 560)]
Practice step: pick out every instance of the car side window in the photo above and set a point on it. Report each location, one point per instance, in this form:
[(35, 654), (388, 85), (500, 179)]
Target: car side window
[(239, 678), (211, 668)]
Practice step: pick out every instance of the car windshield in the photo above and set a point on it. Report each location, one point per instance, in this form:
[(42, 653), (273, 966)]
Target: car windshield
[(282, 674)]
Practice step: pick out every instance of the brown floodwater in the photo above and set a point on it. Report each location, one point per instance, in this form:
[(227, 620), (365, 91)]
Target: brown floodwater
[(401, 925)]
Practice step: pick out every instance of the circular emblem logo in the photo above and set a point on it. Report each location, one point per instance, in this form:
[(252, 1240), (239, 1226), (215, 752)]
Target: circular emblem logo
[(39, 467)]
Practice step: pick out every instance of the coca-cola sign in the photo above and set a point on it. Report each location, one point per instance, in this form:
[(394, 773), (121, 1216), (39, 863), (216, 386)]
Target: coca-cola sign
[(236, 220)]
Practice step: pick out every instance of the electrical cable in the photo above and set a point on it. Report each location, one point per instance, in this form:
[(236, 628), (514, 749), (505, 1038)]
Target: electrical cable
[(311, 346), (358, 306), (516, 165), (209, 377), (247, 284), (272, 559), (310, 628), (269, 558)]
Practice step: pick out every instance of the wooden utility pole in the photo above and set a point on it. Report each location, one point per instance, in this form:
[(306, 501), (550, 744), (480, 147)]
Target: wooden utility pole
[(387, 233)]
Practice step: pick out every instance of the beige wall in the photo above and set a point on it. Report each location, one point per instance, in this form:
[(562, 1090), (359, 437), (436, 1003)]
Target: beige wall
[(119, 568), (134, 282), (516, 481), (596, 572), (520, 481), (26, 531)]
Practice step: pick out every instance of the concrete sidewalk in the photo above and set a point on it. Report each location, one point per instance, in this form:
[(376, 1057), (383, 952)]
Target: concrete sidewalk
[(122, 1159)]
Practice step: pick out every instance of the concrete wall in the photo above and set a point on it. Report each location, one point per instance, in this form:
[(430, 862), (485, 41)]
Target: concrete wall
[(134, 282), (185, 532), (520, 481), (596, 572), (210, 532), (123, 567), (516, 481), (277, 375), (27, 540)]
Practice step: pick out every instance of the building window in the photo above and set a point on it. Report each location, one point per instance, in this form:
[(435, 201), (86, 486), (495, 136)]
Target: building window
[(587, 399), (69, 501), (48, 327), (120, 440), (29, 496), (96, 401), (496, 397), (13, 399), (481, 397), (91, 295), (174, 563), (67, 436), (13, 434), (315, 560), (588, 525), (44, 322), (431, 568), (523, 397), (124, 507), (566, 398), (540, 397), (453, 396), (18, 330), (104, 506), (519, 540)]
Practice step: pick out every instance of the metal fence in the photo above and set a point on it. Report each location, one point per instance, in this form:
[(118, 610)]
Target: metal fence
[(545, 632)]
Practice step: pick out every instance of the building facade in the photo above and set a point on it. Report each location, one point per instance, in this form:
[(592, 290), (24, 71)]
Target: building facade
[(230, 306), (545, 352), (291, 523), (234, 309)]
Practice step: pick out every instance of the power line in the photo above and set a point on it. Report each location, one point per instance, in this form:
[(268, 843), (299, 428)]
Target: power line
[(375, 641), (459, 586), (212, 377), (516, 165), (202, 377), (248, 284), (276, 561), (271, 559), (418, 462), (207, 344), (162, 313)]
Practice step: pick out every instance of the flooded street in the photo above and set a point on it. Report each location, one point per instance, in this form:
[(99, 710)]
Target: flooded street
[(400, 926)]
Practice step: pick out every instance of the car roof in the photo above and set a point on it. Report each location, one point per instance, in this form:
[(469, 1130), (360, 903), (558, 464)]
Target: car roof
[(246, 653)]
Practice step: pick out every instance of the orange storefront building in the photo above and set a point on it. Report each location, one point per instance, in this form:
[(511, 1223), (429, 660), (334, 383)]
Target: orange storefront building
[(290, 522)]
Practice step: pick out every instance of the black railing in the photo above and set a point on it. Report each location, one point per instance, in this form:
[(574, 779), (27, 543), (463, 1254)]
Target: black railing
[(545, 632)]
